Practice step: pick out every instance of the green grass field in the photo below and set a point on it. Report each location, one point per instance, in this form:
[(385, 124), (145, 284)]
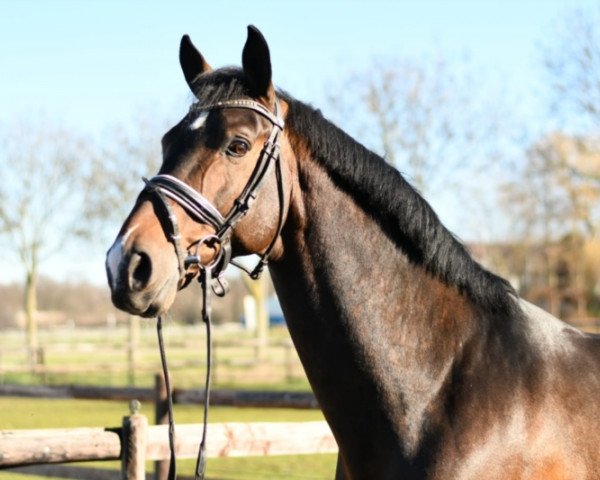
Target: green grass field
[(100, 357), (53, 413)]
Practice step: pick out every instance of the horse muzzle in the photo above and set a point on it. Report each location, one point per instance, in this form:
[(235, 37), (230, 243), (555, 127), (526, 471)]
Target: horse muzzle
[(141, 283)]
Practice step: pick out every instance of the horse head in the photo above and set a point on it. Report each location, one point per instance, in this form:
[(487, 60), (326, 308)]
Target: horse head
[(199, 210)]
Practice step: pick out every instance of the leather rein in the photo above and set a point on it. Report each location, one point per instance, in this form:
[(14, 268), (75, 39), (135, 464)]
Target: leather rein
[(166, 188)]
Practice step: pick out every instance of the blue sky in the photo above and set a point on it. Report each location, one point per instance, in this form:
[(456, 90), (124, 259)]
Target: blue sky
[(91, 64)]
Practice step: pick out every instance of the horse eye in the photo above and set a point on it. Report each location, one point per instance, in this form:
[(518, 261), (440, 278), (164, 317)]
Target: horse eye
[(238, 148)]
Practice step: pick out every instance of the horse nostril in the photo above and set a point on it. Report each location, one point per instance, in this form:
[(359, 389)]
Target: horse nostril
[(140, 270)]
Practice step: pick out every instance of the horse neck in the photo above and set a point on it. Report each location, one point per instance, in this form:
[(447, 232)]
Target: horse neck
[(371, 328)]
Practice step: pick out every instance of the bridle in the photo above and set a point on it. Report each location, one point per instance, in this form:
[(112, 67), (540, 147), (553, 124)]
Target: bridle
[(201, 210), (166, 187)]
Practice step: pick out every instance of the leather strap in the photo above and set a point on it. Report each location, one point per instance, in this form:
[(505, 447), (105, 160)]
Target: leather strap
[(194, 203), (199, 208)]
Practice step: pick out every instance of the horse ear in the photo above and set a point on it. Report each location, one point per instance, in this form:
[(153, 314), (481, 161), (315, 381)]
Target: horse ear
[(191, 60), (256, 61)]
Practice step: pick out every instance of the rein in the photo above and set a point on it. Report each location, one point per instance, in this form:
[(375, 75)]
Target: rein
[(201, 210)]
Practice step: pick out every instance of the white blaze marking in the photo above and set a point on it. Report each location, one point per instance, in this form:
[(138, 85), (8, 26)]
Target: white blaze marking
[(115, 255), (196, 124), (129, 232)]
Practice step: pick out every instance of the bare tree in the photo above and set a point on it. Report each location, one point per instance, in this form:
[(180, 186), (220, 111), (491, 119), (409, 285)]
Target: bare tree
[(548, 205), (127, 152), (429, 119), (40, 200), (553, 195), (572, 61), (555, 211)]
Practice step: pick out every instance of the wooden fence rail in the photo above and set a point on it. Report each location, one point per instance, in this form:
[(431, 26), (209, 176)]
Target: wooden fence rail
[(89, 392), (57, 445), (229, 398), (135, 442), (158, 395), (232, 358)]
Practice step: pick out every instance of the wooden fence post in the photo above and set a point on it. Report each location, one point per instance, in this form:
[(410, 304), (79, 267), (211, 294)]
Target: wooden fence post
[(40, 362), (161, 417), (133, 457)]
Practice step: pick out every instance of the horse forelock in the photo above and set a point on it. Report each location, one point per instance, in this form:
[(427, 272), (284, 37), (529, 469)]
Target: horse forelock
[(220, 85)]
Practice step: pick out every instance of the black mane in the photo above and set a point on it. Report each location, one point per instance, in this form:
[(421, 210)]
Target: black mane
[(400, 210), (381, 190)]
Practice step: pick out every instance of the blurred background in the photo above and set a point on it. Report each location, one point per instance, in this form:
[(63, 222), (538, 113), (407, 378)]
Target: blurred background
[(491, 109)]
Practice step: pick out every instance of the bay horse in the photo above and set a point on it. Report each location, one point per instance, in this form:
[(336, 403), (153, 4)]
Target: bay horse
[(425, 364)]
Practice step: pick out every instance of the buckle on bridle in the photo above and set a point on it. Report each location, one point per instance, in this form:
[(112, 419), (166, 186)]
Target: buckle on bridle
[(216, 266), (210, 241), (212, 274)]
